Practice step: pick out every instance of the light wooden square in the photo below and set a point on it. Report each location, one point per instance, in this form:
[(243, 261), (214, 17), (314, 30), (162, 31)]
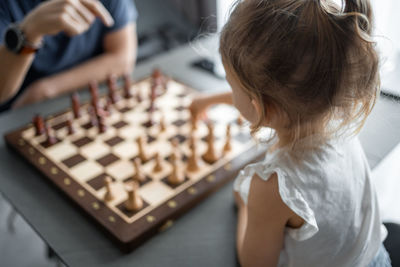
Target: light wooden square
[(95, 150), (86, 170), (155, 192), (61, 151), (121, 169), (126, 149)]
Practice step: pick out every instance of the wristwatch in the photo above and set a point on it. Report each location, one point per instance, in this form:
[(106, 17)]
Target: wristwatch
[(15, 41)]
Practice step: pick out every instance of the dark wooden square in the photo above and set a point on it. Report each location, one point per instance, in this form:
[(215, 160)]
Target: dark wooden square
[(129, 180), (87, 125), (150, 139), (179, 122), (179, 137), (180, 108), (148, 124), (46, 144), (74, 160), (119, 124), (82, 141), (98, 182), (128, 213), (165, 181), (60, 125), (114, 141), (107, 159), (125, 109)]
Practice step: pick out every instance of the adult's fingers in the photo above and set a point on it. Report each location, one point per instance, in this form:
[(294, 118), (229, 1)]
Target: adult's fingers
[(83, 11), (73, 13), (99, 10), (70, 26)]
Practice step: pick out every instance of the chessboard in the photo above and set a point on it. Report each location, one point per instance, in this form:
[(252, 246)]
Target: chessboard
[(133, 159)]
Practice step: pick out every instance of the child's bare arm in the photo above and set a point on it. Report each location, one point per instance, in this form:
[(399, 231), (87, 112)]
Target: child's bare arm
[(261, 234), (202, 102)]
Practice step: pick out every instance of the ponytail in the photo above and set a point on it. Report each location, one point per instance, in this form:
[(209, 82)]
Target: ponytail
[(362, 12)]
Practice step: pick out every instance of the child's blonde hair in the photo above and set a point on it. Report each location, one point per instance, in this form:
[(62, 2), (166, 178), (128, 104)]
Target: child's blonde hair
[(309, 59)]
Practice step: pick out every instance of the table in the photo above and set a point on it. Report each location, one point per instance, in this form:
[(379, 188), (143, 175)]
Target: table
[(205, 236)]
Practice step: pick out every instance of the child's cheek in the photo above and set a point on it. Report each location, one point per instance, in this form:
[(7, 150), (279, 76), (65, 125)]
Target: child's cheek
[(244, 106)]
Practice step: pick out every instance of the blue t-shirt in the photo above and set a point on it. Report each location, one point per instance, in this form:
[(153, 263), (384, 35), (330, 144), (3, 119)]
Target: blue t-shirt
[(61, 52)]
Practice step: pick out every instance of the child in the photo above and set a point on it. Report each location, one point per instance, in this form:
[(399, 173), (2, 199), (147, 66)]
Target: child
[(307, 69)]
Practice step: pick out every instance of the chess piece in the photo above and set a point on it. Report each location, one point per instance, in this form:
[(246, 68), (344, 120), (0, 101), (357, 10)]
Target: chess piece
[(50, 139), (75, 105), (112, 88), (228, 146), (93, 118), (157, 167), (70, 126), (175, 153), (101, 124), (162, 124), (158, 80), (94, 92), (134, 201), (109, 195), (142, 154), (177, 176), (107, 106), (192, 164), (139, 176), (127, 86), (39, 125), (210, 156)]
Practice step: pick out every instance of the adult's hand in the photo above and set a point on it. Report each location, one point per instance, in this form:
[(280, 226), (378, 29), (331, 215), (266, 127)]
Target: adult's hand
[(70, 16)]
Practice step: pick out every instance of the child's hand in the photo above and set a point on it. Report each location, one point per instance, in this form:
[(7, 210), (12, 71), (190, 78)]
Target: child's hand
[(198, 106), (238, 199)]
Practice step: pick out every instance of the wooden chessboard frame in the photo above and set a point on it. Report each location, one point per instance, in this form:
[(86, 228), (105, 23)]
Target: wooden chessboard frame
[(129, 235)]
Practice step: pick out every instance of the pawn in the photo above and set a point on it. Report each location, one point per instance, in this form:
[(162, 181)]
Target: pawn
[(175, 149), (192, 164), (157, 167), (70, 126), (127, 86), (139, 176), (210, 156), (109, 195), (142, 154), (134, 201), (75, 105), (162, 124), (51, 140), (228, 146), (112, 88), (39, 125), (177, 176), (101, 124)]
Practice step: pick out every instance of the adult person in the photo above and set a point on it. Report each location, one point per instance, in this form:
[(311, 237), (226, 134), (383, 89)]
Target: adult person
[(52, 47)]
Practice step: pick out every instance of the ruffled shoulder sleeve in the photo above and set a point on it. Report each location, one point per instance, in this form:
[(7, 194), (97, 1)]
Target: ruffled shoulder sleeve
[(289, 194)]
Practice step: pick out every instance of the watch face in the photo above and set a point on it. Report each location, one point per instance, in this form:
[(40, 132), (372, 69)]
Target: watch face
[(12, 40)]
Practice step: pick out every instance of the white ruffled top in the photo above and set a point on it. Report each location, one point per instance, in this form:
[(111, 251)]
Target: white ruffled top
[(330, 188)]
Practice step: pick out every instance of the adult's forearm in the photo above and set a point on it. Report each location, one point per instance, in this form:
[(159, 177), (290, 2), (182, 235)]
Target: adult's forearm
[(96, 69), (13, 69)]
